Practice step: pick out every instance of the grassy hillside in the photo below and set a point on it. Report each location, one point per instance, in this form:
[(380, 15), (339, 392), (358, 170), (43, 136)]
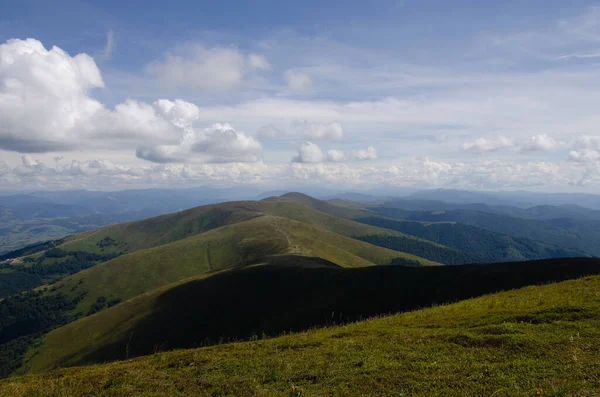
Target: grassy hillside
[(470, 244), (286, 294), (241, 243), (158, 251), (536, 341), (149, 233)]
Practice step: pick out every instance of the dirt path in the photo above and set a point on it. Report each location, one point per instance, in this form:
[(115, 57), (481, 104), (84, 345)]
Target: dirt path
[(293, 249)]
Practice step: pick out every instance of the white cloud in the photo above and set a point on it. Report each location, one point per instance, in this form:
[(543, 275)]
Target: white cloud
[(224, 144), (213, 69), (220, 143), (298, 82), (330, 131), (45, 105), (368, 154), (335, 156), (181, 113), (270, 132), (540, 143), (44, 96), (484, 145), (308, 152)]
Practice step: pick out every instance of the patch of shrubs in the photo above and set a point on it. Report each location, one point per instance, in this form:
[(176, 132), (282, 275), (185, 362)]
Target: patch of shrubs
[(101, 303), (106, 242)]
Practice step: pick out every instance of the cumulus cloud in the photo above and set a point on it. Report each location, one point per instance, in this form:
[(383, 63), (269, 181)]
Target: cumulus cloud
[(335, 156), (270, 132), (308, 152), (220, 143), (540, 143), (484, 145), (215, 69), (181, 113), (44, 98), (224, 144), (298, 82), (45, 105), (330, 131), (368, 154)]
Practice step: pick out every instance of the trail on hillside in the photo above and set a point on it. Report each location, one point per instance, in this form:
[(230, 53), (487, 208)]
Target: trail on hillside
[(292, 248), (89, 235)]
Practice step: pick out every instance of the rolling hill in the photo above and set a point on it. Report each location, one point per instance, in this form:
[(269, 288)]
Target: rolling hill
[(538, 340), (127, 238), (98, 269), (463, 243), (237, 244), (119, 262)]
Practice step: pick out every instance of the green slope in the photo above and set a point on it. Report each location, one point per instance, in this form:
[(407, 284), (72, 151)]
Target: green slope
[(151, 232), (165, 249), (541, 340), (478, 244), (242, 243), (148, 233)]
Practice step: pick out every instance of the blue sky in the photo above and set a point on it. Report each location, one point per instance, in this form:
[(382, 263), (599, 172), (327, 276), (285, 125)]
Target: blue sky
[(464, 94)]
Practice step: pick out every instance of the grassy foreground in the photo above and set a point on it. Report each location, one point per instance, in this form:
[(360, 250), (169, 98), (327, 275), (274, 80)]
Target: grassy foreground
[(536, 341)]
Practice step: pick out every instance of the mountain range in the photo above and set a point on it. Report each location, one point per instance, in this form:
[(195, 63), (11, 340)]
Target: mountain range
[(254, 269)]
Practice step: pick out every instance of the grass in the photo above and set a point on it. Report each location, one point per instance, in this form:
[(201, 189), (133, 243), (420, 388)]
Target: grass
[(241, 243), (164, 229), (536, 341)]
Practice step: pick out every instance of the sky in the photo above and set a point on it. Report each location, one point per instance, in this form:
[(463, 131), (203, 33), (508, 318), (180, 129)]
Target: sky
[(341, 94)]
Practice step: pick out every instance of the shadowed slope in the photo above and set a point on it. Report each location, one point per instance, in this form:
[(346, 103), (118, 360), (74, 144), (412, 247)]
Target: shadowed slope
[(518, 343), (288, 294)]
